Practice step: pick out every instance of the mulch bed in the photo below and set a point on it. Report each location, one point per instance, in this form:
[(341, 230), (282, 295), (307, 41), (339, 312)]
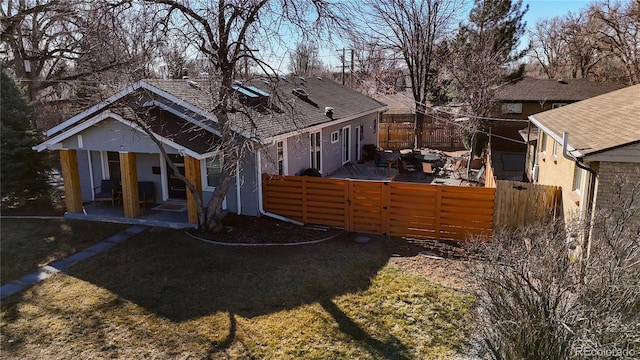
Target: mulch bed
[(266, 230)]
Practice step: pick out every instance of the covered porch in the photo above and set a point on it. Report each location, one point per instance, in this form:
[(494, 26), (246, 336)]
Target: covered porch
[(168, 215), (127, 206)]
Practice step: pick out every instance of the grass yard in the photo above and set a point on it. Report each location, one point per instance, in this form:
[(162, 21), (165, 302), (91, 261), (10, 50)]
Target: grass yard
[(28, 244), (164, 295)]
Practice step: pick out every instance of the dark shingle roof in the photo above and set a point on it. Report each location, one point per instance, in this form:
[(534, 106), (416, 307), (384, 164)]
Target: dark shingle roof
[(530, 89), (288, 112)]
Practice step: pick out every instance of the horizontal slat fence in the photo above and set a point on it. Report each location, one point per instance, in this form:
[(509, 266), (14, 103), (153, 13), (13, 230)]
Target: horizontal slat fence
[(397, 136), (420, 211)]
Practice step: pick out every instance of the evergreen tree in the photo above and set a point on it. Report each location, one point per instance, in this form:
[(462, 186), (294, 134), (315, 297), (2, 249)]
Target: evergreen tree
[(484, 55), (24, 172)]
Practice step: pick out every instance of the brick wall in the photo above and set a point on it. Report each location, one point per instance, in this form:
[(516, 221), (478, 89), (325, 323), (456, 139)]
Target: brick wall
[(615, 183)]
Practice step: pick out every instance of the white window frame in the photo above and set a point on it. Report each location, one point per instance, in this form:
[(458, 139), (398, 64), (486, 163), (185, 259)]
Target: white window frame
[(285, 170), (345, 146), (577, 179), (334, 137), (315, 149), (555, 149), (512, 108), (203, 171)]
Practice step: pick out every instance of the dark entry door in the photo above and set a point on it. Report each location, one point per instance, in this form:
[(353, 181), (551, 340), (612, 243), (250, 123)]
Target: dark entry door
[(177, 188)]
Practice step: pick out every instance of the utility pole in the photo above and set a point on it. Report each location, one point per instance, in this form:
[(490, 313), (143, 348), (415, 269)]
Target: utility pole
[(352, 69), (343, 57)]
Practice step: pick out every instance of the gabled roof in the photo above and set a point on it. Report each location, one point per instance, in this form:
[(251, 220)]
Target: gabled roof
[(597, 124), (289, 113), (286, 114), (531, 89)]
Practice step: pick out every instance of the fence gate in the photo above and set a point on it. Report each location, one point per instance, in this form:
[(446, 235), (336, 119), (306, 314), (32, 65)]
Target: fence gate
[(518, 204)]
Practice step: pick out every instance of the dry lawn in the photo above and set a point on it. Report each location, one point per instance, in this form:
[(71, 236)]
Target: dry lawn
[(164, 295)]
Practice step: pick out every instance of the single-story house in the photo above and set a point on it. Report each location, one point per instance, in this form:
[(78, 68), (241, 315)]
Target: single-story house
[(582, 147), (295, 124)]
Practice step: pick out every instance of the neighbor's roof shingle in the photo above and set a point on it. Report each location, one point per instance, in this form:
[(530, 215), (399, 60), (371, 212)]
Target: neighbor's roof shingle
[(531, 89), (599, 123)]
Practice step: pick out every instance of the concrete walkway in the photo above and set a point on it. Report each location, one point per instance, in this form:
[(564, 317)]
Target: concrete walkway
[(56, 266)]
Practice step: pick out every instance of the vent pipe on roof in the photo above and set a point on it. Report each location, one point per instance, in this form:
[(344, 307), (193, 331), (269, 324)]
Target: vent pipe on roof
[(328, 111)]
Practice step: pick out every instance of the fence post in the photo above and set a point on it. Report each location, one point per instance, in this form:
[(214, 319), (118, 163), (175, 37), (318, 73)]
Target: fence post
[(304, 199), (385, 196), (347, 205), (438, 210)]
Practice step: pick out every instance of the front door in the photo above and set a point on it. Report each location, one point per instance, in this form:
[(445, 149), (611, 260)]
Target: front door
[(177, 188)]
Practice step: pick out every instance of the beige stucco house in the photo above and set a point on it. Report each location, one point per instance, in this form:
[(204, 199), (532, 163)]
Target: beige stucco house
[(582, 147)]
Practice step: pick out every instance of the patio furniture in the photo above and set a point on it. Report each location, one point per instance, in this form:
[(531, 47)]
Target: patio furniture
[(146, 193), (109, 191), (427, 169)]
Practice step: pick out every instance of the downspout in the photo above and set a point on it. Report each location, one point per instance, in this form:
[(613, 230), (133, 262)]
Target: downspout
[(260, 205), (591, 184)]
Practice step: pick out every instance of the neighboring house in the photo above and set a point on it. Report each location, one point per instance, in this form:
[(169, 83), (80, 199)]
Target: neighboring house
[(527, 96), (306, 123), (582, 147)]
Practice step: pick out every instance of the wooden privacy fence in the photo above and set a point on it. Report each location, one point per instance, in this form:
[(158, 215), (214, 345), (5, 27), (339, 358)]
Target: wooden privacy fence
[(420, 211), (397, 136), (518, 203)]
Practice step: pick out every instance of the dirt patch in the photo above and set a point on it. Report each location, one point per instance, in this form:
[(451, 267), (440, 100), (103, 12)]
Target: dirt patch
[(444, 263), (266, 230)]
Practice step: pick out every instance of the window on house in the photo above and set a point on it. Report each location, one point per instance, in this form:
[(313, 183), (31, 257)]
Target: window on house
[(577, 179), (280, 157), (334, 137), (512, 108), (543, 143), (213, 168), (113, 160), (557, 105), (315, 150), (555, 148)]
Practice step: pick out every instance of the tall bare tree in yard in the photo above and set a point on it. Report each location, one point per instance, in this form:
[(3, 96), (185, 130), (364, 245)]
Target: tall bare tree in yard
[(413, 30), (484, 55), (601, 43), (65, 49), (619, 34), (220, 32), (304, 60)]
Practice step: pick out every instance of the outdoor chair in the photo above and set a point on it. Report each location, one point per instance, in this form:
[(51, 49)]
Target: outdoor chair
[(109, 191), (427, 169), (146, 193)]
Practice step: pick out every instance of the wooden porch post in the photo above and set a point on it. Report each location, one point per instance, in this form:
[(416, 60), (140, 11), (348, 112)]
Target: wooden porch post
[(193, 174), (129, 175), (71, 176)]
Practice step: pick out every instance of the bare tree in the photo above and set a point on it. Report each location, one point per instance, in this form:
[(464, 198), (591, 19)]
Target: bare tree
[(64, 49), (412, 30), (304, 60), (548, 46), (600, 43), (619, 34), (221, 32), (484, 56)]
